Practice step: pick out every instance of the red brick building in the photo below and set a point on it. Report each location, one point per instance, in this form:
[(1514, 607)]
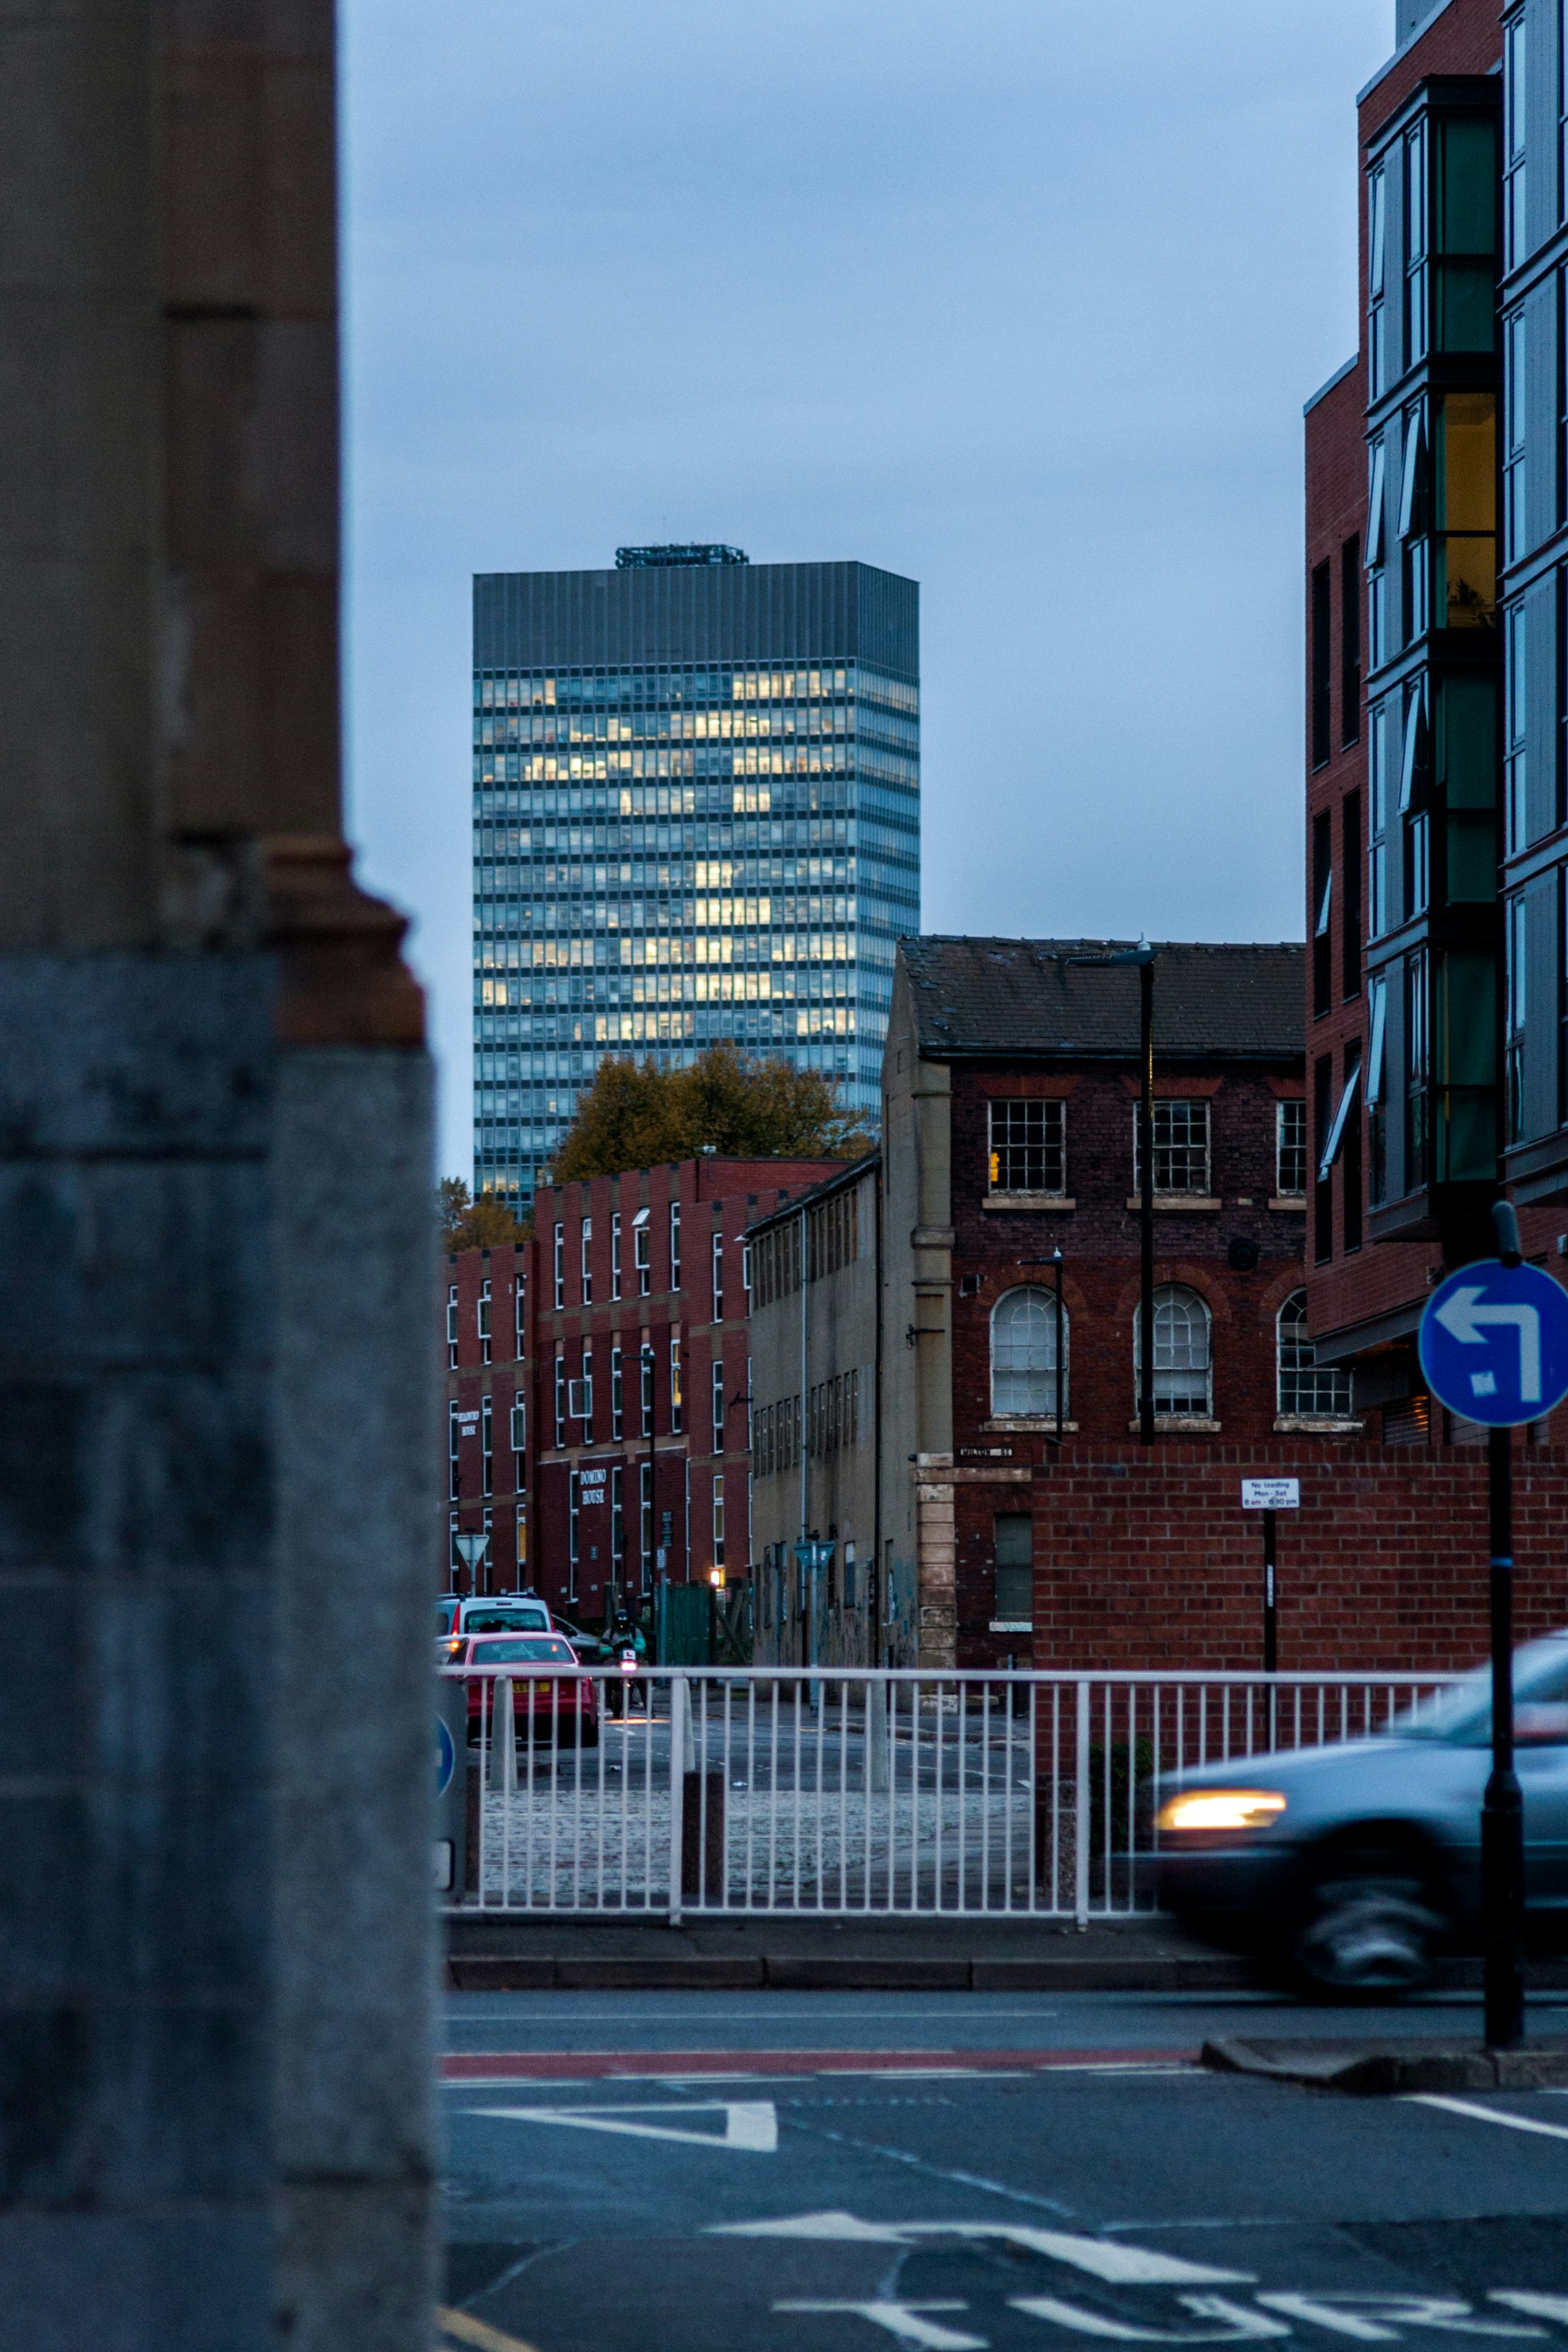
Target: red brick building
[(484, 1332), (639, 1377), (1011, 1094)]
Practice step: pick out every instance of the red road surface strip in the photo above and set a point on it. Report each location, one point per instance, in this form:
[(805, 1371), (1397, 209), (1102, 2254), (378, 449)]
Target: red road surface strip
[(593, 2065)]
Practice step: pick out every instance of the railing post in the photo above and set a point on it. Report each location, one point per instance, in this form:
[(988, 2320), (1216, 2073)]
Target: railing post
[(1081, 1809), (876, 1734), (680, 1744)]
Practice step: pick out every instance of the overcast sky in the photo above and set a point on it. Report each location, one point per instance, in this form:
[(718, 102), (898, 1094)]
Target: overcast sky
[(1020, 298)]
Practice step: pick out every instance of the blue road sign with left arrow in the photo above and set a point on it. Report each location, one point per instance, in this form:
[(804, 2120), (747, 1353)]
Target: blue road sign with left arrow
[(1494, 1343)]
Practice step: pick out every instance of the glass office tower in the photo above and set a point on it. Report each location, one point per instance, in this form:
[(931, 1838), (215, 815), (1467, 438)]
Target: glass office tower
[(696, 816)]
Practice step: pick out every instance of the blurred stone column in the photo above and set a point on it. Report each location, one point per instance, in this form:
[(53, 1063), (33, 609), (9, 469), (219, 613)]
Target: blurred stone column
[(217, 1398)]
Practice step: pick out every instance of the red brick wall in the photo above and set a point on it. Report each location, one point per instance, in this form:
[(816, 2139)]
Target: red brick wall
[(1145, 1560)]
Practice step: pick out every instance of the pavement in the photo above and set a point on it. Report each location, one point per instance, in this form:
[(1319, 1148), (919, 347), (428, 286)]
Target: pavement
[(821, 2171), (515, 1953)]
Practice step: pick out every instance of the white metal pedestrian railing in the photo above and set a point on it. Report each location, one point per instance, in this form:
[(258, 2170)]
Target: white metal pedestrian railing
[(855, 1792)]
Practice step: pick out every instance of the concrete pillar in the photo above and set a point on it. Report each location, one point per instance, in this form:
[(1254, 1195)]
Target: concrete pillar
[(217, 1386)]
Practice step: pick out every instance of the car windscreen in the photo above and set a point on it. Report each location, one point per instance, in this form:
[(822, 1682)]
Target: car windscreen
[(1462, 1714), (524, 1651), (506, 1621)]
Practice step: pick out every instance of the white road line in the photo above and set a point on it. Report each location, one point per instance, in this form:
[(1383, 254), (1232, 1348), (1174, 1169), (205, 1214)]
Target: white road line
[(749, 2123), (1486, 2115), (907, 2322), (1117, 2265)]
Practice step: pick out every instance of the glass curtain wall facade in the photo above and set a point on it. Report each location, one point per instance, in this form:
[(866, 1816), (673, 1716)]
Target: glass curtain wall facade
[(1534, 305), (1434, 660), (695, 818)]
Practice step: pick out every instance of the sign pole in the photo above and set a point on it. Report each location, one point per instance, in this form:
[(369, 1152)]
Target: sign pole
[(1271, 1628), (1494, 1346), (1502, 1810)]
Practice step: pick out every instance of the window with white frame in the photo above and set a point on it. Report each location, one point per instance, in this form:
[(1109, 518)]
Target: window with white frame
[(452, 1325), (645, 1389), (640, 1253), (580, 1400), (585, 1260), (486, 1447), (519, 1432), (1181, 1148), (645, 1520), (719, 1408), (1183, 1364), (617, 1523), (454, 1444), (718, 1519), (519, 1318), (1290, 1149), (746, 1273), (617, 1395), (482, 1319), (674, 1387), (560, 1400), (574, 1510), (1024, 1361), (559, 1266), (1305, 1386), (675, 1245), (615, 1254), (1028, 1147), (719, 1278)]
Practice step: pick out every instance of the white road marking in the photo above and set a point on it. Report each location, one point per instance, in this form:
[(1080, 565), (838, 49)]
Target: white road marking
[(827, 2228), (1117, 2265), (1237, 2325), (907, 2322), (1486, 2115), (1322, 2313), (749, 2124), (1539, 2306)]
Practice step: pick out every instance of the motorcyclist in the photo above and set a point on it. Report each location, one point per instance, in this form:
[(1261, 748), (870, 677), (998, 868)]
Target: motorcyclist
[(625, 1690)]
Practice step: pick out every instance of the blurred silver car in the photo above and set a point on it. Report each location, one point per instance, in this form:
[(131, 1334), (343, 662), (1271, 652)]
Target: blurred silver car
[(1357, 1863)]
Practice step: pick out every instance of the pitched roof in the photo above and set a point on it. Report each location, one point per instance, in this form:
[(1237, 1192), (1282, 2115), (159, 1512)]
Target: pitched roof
[(1006, 997)]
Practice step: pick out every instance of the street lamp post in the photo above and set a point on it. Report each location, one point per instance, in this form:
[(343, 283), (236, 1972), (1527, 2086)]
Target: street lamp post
[(1142, 957)]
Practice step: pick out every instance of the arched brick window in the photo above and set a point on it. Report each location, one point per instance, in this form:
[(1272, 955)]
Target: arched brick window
[(1023, 1354)]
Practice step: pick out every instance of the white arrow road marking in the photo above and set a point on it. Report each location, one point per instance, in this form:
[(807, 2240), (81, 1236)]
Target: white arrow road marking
[(751, 2124), (904, 2320), (1486, 2115), (1118, 2264), (1461, 1315), (1238, 2323), (825, 2227)]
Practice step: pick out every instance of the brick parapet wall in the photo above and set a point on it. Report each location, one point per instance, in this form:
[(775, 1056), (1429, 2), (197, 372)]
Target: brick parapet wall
[(1147, 1560)]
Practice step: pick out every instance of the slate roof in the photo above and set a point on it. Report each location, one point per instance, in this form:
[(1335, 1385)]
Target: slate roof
[(1005, 997)]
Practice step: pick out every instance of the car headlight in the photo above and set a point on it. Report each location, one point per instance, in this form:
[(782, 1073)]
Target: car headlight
[(1221, 1808)]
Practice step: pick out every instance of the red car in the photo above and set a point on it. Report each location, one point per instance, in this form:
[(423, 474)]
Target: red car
[(562, 1704)]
